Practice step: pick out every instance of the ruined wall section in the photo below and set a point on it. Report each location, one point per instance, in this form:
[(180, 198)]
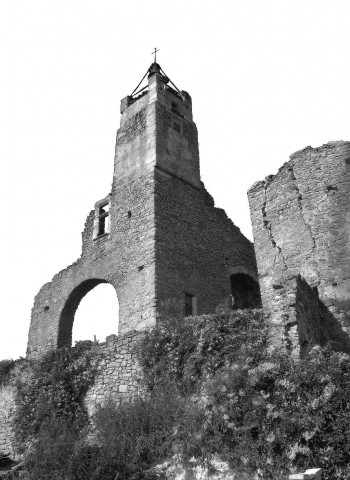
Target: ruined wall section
[(197, 248), (119, 375), (301, 225), (299, 320)]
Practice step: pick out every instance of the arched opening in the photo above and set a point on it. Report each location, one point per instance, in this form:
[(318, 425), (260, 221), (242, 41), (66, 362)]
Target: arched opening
[(91, 311), (245, 292)]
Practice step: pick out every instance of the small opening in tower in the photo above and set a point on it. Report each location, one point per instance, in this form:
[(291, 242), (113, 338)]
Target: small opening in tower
[(47, 308), (190, 305), (102, 226), (129, 213), (347, 164), (176, 127)]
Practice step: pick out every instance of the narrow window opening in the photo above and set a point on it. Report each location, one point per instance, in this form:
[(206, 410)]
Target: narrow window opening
[(101, 219), (188, 304), (129, 213), (101, 226), (46, 309), (347, 164)]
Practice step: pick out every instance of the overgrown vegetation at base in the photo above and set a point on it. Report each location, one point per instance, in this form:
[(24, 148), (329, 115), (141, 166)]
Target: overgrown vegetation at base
[(53, 392), (212, 388), (268, 415)]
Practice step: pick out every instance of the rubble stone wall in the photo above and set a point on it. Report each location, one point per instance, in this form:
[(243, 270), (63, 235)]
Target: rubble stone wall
[(119, 374), (301, 226), (299, 320)]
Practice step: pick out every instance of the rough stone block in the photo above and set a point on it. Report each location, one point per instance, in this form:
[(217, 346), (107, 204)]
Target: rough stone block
[(314, 473)]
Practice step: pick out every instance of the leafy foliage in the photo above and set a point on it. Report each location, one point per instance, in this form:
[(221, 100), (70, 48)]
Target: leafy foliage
[(51, 454), (130, 437), (213, 388), (190, 351), (268, 415)]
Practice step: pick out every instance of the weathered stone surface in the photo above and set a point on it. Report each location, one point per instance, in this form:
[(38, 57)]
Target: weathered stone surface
[(311, 473), (314, 473), (165, 238), (301, 226), (7, 405)]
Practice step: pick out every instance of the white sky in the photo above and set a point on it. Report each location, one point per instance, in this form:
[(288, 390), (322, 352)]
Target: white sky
[(266, 78)]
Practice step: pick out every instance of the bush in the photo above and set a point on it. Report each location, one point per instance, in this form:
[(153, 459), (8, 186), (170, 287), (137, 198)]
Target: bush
[(51, 454), (130, 438), (212, 389), (267, 415), (192, 350), (6, 367)]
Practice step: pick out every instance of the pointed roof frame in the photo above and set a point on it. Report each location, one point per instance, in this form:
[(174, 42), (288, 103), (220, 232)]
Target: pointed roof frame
[(133, 94)]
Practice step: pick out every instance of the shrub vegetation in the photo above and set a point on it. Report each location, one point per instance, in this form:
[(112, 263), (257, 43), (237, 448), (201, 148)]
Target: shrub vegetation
[(212, 388), (6, 367)]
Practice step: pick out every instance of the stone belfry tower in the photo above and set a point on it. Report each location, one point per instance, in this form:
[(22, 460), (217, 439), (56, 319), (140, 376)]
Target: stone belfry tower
[(157, 237)]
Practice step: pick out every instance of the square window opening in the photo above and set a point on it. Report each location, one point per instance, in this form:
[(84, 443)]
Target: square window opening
[(177, 127)]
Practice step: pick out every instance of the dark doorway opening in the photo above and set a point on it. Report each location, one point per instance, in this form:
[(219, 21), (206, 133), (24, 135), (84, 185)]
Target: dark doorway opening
[(245, 292)]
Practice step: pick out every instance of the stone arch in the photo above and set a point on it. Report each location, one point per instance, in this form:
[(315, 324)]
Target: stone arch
[(68, 312), (245, 291)]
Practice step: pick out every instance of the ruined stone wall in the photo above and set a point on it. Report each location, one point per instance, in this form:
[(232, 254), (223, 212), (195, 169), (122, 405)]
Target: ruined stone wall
[(298, 320), (197, 248), (124, 258), (301, 225)]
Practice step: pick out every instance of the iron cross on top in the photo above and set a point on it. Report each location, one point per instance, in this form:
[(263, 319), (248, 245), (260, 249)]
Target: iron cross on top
[(155, 54)]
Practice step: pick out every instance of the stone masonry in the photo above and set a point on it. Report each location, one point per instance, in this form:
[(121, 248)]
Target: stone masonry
[(119, 374), (7, 405), (301, 228), (157, 237)]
